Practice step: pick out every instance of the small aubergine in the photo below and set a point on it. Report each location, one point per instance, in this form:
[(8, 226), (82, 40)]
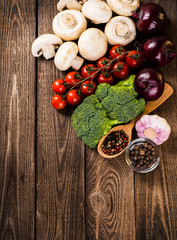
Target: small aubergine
[(158, 51)]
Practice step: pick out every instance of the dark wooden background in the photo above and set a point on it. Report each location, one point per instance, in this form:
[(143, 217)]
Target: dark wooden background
[(51, 185)]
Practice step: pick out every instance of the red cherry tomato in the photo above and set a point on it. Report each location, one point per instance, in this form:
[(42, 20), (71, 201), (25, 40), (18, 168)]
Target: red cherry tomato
[(73, 78), (134, 59), (89, 70), (105, 78), (58, 86), (73, 98), (88, 88), (104, 61), (58, 103), (120, 70), (117, 51)]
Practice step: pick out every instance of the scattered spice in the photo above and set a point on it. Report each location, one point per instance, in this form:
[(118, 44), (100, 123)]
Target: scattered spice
[(115, 142), (143, 156)]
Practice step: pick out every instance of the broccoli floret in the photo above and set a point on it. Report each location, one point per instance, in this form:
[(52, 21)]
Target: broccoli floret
[(91, 124), (102, 91), (91, 100), (99, 126), (118, 95), (125, 113)]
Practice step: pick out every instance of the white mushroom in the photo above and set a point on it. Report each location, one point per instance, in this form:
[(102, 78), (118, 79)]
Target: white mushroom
[(120, 30), (124, 7), (66, 57), (97, 11), (92, 44), (69, 24), (46, 44), (70, 4)]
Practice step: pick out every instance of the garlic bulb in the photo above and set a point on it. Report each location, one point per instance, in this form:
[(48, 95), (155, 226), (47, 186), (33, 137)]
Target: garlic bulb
[(153, 127)]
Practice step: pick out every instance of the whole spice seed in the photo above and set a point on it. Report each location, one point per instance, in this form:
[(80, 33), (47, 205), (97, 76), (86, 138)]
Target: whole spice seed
[(115, 143), (143, 156)]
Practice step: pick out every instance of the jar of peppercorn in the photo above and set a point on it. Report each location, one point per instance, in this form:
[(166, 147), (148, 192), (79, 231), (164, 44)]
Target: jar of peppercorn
[(142, 155)]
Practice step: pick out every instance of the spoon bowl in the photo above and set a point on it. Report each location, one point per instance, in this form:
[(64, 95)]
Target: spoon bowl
[(127, 128)]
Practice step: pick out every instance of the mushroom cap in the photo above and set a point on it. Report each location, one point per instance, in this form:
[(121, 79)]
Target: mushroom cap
[(70, 4), (120, 30), (45, 44), (124, 7), (69, 24), (97, 11), (92, 44), (65, 55)]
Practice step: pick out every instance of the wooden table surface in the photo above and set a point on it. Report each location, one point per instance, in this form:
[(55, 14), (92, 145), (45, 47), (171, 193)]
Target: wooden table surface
[(51, 185)]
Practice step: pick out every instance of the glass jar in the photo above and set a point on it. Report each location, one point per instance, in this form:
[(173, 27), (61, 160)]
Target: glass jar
[(134, 160)]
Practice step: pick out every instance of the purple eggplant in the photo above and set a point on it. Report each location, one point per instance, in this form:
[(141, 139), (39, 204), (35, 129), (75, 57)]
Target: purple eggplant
[(149, 83), (151, 18), (158, 51)]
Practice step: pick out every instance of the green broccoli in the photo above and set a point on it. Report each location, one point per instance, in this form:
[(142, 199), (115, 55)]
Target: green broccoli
[(109, 106), (91, 123), (127, 82), (125, 113), (102, 91)]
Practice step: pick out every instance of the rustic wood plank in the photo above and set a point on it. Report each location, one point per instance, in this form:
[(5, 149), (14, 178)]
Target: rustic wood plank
[(156, 194), (110, 212), (17, 122), (60, 155)]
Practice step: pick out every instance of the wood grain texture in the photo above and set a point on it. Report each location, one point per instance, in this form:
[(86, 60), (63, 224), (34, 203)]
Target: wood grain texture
[(79, 195), (60, 154), (17, 121), (155, 195), (110, 212)]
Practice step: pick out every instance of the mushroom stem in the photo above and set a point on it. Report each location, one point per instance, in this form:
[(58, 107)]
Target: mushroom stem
[(122, 30), (48, 51), (68, 20), (77, 63)]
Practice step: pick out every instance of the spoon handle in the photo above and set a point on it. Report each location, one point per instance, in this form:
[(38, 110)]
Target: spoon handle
[(152, 105)]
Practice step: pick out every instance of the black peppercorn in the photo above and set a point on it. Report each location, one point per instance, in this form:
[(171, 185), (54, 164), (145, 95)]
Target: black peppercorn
[(143, 156)]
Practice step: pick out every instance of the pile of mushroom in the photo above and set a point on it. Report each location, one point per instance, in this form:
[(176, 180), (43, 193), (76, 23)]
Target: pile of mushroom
[(71, 24)]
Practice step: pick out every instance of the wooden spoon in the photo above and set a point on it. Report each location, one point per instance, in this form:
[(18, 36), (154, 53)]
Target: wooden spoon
[(149, 107)]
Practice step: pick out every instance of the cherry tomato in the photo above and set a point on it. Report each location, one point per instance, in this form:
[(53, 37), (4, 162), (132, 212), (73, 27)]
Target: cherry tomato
[(73, 98), (120, 70), (105, 77), (58, 103), (88, 88), (134, 59), (58, 86), (73, 78), (104, 61), (89, 70), (116, 51)]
